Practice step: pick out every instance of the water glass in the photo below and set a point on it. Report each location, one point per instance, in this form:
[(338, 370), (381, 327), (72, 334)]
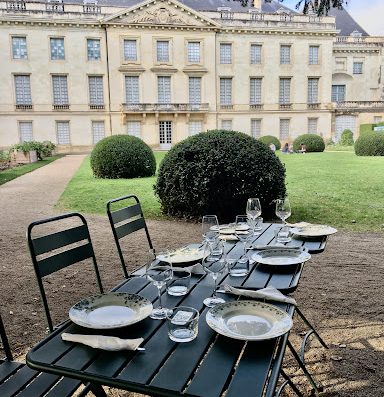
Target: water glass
[(283, 235), (183, 324), (181, 279), (239, 267)]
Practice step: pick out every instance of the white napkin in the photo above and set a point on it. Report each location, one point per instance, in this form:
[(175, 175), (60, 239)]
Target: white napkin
[(103, 342), (194, 269), (298, 224), (270, 293)]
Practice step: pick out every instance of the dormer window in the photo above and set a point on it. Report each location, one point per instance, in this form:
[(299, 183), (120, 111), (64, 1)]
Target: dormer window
[(91, 7), (16, 5), (225, 12), (54, 6), (256, 15)]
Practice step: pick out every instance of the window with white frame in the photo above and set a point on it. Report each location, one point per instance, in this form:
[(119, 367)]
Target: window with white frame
[(255, 91), (357, 67), (284, 129), (162, 51), (226, 125), (193, 51), (195, 90), (63, 133), (313, 55), (23, 90), (225, 53), (130, 50), (25, 131), (57, 48), (19, 47), (93, 50), (312, 125), (98, 131), (60, 90), (195, 127), (285, 91), (96, 91), (164, 89), (165, 132), (225, 91), (132, 89), (256, 128), (313, 90), (256, 54), (134, 128), (285, 54), (338, 93)]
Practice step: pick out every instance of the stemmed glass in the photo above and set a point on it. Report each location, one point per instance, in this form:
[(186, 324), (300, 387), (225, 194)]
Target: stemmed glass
[(210, 228), (159, 271), (283, 211), (253, 212), (241, 230), (215, 268)]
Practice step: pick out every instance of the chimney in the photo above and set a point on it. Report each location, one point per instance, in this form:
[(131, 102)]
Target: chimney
[(257, 4)]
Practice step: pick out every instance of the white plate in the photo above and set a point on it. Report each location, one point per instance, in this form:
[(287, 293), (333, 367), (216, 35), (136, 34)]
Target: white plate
[(113, 310), (281, 257), (184, 255), (313, 230), (248, 320)]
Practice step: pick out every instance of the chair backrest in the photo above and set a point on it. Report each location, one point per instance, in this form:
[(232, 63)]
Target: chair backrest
[(4, 340), (49, 243), (126, 220)]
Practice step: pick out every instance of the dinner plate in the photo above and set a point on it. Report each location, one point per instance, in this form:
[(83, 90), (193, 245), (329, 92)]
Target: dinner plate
[(313, 230), (248, 320), (112, 310), (281, 256), (183, 255)]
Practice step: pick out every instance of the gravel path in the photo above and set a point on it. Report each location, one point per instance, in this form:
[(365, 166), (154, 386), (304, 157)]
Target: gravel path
[(341, 290)]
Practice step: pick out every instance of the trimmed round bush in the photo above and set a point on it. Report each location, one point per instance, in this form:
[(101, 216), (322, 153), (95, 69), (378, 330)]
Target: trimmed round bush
[(370, 144), (122, 156), (313, 143), (268, 139), (346, 138), (215, 172)]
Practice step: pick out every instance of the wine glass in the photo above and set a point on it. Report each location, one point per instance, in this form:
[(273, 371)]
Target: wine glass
[(210, 228), (214, 268), (283, 209), (159, 271), (253, 212), (242, 230)]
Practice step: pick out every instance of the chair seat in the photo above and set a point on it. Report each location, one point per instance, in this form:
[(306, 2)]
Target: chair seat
[(18, 380)]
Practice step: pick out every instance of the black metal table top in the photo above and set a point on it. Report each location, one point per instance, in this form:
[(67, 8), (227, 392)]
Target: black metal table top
[(209, 366)]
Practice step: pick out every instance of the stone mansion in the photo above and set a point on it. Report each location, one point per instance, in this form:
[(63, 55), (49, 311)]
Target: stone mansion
[(75, 71)]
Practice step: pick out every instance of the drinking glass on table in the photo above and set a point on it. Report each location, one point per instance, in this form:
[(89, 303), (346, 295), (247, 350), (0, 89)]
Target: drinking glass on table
[(253, 211), (242, 231), (159, 272), (283, 211), (210, 229)]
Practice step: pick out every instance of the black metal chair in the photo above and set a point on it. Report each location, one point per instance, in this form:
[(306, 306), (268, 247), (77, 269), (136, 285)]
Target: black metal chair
[(124, 221), (48, 243)]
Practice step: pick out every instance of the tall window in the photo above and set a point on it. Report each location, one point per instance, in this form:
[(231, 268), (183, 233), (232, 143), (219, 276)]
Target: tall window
[(313, 55), (165, 132), (60, 90), (357, 67), (312, 125), (285, 54), (57, 49), (338, 93), (255, 54), (225, 91), (19, 48), (195, 127), (284, 129), (313, 90), (164, 89), (98, 131), (93, 50), (130, 50), (96, 92), (162, 51), (23, 90), (255, 91), (134, 128), (195, 90), (226, 125), (25, 131), (285, 91), (63, 133), (132, 89), (225, 53), (256, 128), (193, 51)]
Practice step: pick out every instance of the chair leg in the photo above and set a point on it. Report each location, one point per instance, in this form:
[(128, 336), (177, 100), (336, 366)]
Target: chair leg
[(96, 389), (289, 382)]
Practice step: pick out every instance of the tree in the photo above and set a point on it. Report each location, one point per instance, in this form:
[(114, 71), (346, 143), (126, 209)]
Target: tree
[(321, 7)]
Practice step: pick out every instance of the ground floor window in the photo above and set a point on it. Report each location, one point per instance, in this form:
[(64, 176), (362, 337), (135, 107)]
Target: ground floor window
[(98, 131), (226, 125), (63, 133), (312, 125), (134, 128), (25, 131), (284, 129), (256, 128), (195, 127), (165, 131)]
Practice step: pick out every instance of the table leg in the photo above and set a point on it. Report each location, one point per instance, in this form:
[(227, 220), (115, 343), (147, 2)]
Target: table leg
[(97, 390)]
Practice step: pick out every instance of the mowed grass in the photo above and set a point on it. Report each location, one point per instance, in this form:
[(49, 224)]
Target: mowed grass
[(339, 189)]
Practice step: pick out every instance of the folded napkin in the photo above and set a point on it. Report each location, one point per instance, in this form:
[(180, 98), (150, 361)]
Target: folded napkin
[(298, 224), (103, 342), (194, 269), (269, 294)]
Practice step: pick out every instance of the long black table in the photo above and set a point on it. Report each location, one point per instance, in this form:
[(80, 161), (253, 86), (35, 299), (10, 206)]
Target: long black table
[(209, 366)]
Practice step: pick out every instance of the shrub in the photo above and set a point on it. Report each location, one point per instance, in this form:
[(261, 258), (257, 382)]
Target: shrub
[(346, 138), (43, 149), (215, 173), (268, 139), (370, 144), (122, 156), (313, 142)]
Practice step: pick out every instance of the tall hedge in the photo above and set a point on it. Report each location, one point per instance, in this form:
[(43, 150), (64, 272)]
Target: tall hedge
[(122, 156), (268, 139), (346, 138), (370, 144), (313, 143), (215, 172)]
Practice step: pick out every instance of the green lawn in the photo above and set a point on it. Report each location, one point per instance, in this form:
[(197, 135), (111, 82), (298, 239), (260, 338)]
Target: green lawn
[(12, 173), (337, 188)]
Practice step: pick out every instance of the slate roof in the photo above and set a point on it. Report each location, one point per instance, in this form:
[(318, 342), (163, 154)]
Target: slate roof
[(345, 23)]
